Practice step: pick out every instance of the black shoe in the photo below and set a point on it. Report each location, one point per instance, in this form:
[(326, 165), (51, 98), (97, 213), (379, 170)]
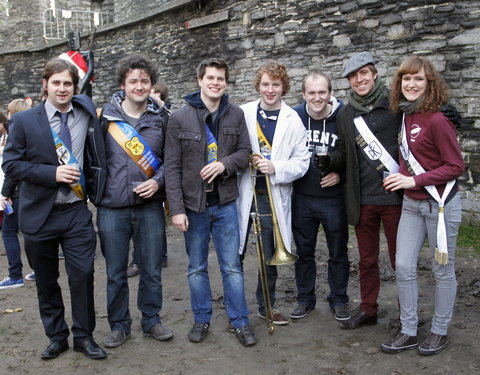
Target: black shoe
[(399, 343), (115, 338), (358, 320), (133, 270), (301, 311), (89, 348), (245, 336), (433, 344), (54, 349), (198, 332), (340, 312)]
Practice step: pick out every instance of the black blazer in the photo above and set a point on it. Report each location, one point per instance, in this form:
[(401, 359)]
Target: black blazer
[(30, 157)]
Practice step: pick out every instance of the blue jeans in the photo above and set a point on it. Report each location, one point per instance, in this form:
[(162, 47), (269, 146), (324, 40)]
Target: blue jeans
[(419, 221), (144, 224), (307, 214), (10, 241), (222, 223)]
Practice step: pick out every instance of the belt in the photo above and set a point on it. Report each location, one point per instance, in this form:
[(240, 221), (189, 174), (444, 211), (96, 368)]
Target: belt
[(66, 206)]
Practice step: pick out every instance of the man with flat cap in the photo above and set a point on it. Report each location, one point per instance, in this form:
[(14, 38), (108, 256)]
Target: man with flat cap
[(367, 148)]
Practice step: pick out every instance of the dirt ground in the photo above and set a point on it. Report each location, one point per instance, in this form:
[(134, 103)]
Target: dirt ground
[(313, 345)]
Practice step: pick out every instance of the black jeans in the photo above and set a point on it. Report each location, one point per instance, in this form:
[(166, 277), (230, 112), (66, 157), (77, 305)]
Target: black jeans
[(307, 214)]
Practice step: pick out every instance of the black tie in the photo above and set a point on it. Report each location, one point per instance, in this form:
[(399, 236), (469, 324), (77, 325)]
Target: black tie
[(64, 131)]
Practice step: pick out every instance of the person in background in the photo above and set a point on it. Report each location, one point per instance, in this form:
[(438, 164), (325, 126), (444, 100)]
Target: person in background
[(430, 163), (277, 133), (10, 221), (318, 199)]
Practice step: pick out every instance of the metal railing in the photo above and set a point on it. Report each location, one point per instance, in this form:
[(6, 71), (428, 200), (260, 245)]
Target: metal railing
[(58, 22)]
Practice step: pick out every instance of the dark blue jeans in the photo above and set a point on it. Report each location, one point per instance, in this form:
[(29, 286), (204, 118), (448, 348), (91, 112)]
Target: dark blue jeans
[(307, 215), (222, 223), (144, 224), (10, 241)]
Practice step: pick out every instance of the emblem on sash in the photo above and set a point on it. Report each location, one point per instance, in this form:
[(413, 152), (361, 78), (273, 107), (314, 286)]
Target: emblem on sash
[(135, 146), (373, 150)]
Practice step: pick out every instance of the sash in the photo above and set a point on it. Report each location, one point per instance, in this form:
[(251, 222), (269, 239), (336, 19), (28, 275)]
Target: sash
[(212, 147), (265, 147), (65, 157), (414, 167), (376, 154), (134, 146)]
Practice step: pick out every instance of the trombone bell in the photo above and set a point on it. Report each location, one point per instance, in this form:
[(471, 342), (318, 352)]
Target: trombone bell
[(281, 258)]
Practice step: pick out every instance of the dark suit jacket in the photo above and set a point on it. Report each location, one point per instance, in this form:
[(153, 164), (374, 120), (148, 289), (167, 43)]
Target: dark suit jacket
[(30, 157)]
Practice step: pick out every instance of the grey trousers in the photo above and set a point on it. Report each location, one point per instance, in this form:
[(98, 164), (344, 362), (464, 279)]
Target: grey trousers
[(419, 221)]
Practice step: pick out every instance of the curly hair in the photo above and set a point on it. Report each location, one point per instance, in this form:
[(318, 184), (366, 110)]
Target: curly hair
[(435, 93), (135, 61), (275, 70)]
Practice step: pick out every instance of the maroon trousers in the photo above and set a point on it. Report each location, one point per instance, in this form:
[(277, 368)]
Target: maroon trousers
[(368, 238)]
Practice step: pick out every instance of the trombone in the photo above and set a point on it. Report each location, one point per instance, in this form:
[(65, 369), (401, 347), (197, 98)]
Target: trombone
[(281, 255)]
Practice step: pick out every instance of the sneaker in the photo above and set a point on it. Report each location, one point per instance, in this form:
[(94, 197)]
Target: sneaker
[(159, 332), (246, 336), (8, 283), (301, 311), (399, 343), (115, 338), (433, 344), (133, 270), (30, 277), (198, 332), (61, 255), (278, 318), (340, 312)]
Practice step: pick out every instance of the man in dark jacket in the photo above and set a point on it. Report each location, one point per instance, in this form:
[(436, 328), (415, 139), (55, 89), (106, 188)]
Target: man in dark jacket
[(207, 144), (318, 199), (56, 151), (132, 205), (367, 147)]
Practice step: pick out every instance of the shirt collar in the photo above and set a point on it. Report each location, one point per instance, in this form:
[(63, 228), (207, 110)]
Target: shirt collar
[(51, 110)]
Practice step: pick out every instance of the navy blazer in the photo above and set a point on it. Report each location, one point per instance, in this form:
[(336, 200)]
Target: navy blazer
[(30, 157)]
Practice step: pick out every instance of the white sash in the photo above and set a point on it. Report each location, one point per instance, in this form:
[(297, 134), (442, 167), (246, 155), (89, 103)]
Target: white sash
[(374, 150), (441, 250)]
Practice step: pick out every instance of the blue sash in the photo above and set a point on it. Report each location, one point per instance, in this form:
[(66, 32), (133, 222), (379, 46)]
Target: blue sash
[(65, 157), (135, 146), (212, 147)]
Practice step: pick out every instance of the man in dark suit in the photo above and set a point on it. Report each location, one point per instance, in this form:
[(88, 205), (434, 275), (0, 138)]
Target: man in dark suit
[(57, 152)]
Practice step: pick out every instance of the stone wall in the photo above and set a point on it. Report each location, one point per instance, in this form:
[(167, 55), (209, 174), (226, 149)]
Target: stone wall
[(303, 34)]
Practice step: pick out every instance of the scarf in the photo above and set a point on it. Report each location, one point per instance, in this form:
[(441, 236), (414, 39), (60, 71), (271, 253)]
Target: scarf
[(410, 107), (361, 102)]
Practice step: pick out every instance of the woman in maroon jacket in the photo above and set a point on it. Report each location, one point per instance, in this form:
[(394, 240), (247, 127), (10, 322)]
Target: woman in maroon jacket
[(430, 163)]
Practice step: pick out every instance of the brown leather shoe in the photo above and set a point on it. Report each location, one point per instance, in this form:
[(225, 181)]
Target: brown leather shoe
[(358, 320)]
